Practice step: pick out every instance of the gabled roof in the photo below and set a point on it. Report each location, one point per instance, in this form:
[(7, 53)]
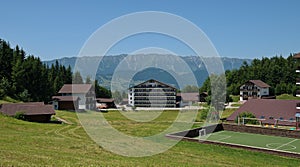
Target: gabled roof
[(297, 56), (285, 109), (66, 98), (259, 83), (189, 96), (11, 109), (153, 80), (75, 88), (105, 100)]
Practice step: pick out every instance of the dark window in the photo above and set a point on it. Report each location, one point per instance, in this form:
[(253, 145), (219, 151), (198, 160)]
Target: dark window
[(262, 117), (291, 119), (271, 118), (281, 118)]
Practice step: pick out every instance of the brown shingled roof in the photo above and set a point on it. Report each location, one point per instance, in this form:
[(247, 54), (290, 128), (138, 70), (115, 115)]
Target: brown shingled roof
[(154, 81), (105, 100), (38, 108), (260, 83), (66, 98), (189, 96), (269, 108), (297, 56), (75, 88)]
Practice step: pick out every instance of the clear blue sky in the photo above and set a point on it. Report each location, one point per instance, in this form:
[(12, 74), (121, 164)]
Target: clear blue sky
[(237, 28)]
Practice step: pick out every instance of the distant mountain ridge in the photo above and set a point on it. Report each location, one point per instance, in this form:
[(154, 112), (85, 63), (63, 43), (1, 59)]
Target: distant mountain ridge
[(108, 65)]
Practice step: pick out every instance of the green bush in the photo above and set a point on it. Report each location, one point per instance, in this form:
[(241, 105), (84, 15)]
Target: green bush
[(20, 115)]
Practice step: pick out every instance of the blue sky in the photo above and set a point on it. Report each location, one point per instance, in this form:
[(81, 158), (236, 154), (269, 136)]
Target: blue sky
[(237, 28)]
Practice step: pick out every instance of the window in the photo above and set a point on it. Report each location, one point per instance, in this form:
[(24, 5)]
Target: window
[(281, 118), (291, 119), (271, 117), (262, 117)]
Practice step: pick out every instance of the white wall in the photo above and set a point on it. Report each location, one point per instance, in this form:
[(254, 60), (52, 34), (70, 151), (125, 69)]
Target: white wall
[(264, 91)]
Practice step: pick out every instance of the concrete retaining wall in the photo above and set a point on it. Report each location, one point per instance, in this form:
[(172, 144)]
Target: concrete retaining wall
[(195, 132)]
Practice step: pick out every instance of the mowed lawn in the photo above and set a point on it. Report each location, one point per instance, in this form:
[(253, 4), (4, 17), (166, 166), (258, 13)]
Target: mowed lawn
[(35, 144)]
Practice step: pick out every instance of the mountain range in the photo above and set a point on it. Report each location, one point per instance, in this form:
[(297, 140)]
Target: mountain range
[(118, 68)]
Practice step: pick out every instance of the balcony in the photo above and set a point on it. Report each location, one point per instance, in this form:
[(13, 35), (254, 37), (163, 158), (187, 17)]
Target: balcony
[(298, 106), (298, 69), (298, 93), (250, 90), (297, 81)]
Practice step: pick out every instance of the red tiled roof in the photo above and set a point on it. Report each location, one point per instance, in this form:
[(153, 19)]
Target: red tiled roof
[(285, 109), (260, 83), (105, 100), (75, 88), (66, 98), (39, 108)]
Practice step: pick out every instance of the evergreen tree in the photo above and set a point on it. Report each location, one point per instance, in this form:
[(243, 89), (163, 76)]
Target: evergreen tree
[(27, 78), (88, 80), (4, 87), (117, 97), (77, 79), (278, 72), (190, 89), (101, 92)]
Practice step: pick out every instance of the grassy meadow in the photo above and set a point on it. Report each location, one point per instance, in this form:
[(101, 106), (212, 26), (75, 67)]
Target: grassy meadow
[(47, 144)]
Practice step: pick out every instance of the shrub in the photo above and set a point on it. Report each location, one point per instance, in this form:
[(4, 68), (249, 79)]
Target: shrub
[(20, 115), (204, 113)]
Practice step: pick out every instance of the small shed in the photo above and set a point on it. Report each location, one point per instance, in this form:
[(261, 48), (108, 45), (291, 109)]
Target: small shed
[(35, 111), (105, 103)]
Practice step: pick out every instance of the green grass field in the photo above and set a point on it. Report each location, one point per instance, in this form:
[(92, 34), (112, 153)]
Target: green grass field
[(287, 97), (36, 144), (257, 140)]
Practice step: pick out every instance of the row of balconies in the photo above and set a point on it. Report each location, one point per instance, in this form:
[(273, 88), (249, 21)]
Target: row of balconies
[(154, 94), (248, 90), (154, 102), (155, 98), (156, 105)]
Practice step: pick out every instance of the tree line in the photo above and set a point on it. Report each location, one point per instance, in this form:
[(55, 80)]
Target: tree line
[(26, 78), (278, 72)]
